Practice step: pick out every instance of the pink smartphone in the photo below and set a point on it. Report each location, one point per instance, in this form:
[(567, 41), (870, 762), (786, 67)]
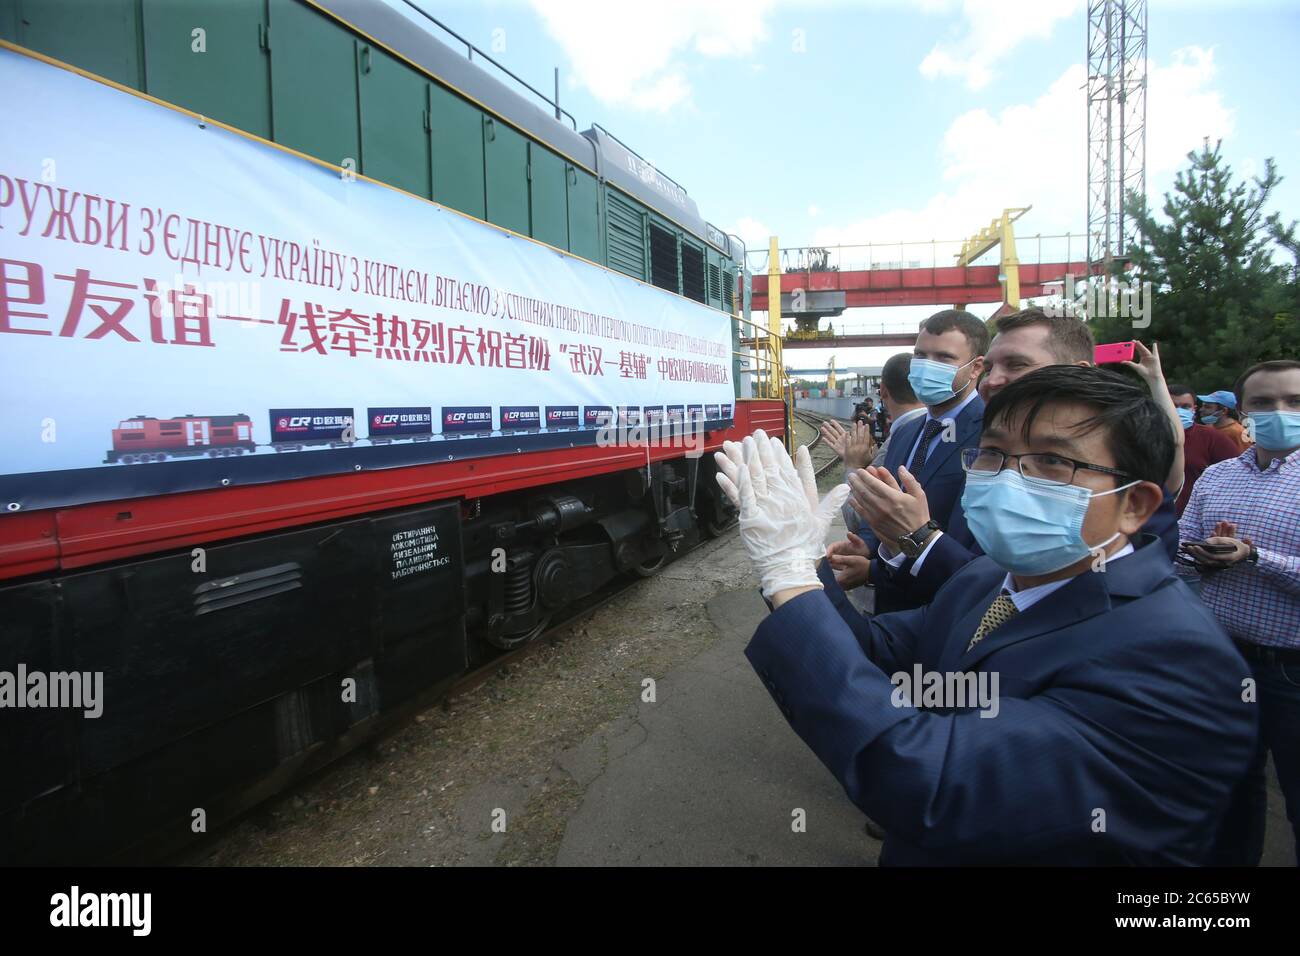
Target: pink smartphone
[(1115, 352)]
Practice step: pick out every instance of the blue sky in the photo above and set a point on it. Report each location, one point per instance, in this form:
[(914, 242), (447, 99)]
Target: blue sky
[(884, 120)]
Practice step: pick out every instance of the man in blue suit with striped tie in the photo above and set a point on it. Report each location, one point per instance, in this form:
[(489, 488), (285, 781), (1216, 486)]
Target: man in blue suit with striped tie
[(1064, 699), (944, 370)]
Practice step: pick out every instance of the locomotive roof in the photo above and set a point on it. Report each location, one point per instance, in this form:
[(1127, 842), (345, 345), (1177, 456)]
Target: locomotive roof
[(595, 148)]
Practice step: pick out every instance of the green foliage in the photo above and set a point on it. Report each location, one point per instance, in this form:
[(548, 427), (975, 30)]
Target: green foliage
[(1221, 301)]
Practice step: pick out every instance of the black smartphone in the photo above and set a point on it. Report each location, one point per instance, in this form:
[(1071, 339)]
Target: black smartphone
[(1209, 548)]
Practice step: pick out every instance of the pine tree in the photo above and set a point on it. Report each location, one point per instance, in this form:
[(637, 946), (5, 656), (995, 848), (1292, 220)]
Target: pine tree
[(1220, 300)]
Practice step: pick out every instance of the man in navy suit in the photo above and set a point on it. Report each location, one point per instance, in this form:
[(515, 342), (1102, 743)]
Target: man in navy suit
[(1026, 341), (1116, 728), (945, 367)]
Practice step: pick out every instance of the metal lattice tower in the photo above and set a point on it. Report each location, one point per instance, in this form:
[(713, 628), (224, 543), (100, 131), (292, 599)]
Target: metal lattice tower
[(1117, 124)]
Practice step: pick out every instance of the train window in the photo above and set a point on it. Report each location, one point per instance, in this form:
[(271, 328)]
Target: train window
[(663, 258), (693, 272)]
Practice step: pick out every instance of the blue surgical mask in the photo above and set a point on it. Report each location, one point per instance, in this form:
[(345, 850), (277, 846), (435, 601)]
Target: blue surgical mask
[(932, 381), (1209, 419), (1276, 431), (1187, 415), (1029, 528)]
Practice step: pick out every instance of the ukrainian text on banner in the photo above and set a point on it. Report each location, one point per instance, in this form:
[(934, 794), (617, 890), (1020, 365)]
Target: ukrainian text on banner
[(182, 307)]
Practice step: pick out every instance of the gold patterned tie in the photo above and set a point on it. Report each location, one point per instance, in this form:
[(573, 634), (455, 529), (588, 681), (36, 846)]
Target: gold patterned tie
[(1000, 611)]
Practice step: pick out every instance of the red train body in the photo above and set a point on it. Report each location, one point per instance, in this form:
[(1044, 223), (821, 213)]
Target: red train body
[(142, 439)]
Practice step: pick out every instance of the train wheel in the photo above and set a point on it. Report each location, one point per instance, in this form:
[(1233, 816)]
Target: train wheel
[(648, 569), (508, 642), (127, 459), (716, 529)]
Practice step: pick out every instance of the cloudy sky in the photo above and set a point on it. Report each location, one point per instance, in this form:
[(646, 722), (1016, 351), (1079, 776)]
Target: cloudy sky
[(855, 121)]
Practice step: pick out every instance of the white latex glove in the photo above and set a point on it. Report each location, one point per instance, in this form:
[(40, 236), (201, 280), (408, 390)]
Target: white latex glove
[(782, 524)]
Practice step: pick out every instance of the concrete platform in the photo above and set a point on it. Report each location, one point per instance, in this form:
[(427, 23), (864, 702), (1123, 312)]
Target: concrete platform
[(710, 774)]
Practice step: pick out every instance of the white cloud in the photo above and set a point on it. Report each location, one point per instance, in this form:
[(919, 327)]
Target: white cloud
[(753, 232), (640, 62), (990, 31), (1036, 152)]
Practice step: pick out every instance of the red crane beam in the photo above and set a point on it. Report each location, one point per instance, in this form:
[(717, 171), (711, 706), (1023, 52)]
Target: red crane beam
[(923, 286)]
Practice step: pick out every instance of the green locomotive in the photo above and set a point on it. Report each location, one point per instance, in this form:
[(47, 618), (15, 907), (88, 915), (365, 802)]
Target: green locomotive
[(225, 679)]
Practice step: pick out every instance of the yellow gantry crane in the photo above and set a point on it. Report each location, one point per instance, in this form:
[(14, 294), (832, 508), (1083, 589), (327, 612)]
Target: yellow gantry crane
[(997, 232)]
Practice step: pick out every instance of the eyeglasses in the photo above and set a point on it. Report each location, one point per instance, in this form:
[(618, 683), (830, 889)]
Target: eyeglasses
[(1045, 469)]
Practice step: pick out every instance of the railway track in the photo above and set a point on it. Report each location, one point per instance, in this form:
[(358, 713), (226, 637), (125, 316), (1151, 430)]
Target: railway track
[(818, 447)]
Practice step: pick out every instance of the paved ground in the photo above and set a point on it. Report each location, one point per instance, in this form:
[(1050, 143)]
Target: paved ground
[(563, 751), (710, 773)]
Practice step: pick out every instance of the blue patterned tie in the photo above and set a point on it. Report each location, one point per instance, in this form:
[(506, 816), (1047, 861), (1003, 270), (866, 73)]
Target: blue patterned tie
[(932, 428)]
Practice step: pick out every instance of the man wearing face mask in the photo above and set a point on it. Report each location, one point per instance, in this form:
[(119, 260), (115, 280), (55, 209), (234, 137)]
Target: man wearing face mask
[(1203, 445), (945, 366), (1219, 410), (1120, 730), (1246, 513)]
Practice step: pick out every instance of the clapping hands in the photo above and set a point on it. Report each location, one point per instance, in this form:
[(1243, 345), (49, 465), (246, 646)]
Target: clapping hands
[(783, 525)]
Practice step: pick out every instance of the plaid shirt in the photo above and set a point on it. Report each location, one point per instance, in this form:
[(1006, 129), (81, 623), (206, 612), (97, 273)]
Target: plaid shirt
[(1260, 602)]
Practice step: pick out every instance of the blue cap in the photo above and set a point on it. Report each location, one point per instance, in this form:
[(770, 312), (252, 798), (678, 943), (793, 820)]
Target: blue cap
[(1221, 397)]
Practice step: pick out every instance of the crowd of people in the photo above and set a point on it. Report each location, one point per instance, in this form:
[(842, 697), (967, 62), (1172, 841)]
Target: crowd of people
[(1121, 555)]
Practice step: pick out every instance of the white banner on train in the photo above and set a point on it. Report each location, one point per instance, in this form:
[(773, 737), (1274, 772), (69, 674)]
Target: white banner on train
[(172, 292)]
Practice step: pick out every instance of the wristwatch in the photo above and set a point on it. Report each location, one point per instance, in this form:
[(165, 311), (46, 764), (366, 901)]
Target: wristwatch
[(1253, 557), (914, 543)]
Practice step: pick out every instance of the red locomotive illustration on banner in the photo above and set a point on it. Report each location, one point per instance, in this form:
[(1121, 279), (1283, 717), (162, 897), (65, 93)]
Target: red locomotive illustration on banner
[(142, 438)]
